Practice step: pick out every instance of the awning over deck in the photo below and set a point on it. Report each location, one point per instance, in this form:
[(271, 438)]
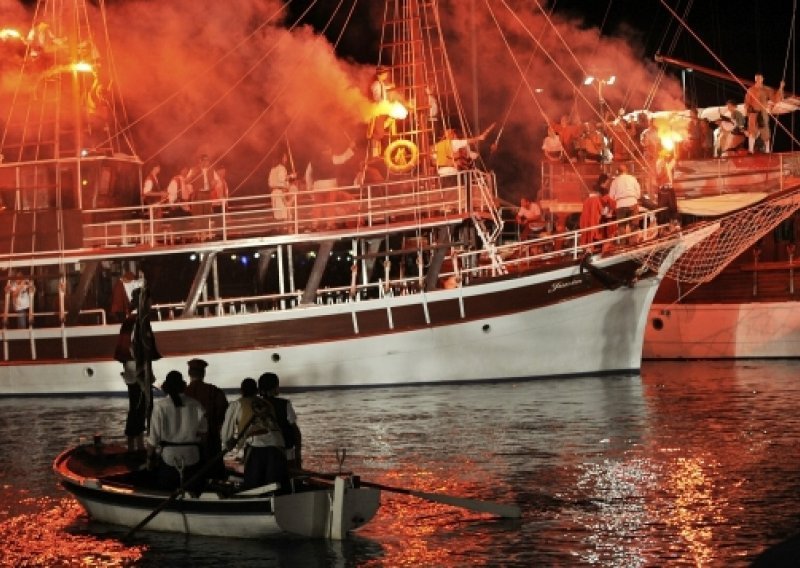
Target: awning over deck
[(717, 205)]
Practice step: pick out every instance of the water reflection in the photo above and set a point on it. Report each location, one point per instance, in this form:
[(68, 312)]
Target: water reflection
[(690, 464), (53, 532)]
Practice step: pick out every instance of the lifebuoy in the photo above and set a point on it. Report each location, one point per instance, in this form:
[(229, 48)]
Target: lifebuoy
[(401, 156)]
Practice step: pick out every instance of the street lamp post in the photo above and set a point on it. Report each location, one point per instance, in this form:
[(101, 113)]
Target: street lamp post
[(591, 79)]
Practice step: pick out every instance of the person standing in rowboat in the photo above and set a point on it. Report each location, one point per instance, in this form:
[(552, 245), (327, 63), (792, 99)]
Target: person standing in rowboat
[(178, 429), (758, 101), (268, 386), (254, 420), (215, 404), (136, 350)]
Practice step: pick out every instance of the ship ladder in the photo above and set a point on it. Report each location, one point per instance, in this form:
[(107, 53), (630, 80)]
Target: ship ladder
[(498, 266)]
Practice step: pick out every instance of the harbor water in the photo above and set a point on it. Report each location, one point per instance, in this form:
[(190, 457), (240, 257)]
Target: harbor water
[(688, 464)]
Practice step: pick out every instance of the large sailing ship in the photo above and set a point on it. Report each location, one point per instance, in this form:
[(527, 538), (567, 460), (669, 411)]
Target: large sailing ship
[(397, 280)]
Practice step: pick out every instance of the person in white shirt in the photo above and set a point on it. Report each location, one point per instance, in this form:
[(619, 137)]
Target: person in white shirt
[(529, 218), (201, 178), (20, 290), (626, 192), (177, 429), (281, 184), (179, 194), (251, 424), (552, 147), (151, 188)]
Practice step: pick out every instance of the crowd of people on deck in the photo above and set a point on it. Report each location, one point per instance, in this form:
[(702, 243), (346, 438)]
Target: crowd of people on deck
[(606, 215), (197, 190), (658, 142), (623, 137), (313, 192)]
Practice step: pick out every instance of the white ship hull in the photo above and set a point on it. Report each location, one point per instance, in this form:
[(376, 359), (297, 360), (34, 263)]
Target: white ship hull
[(576, 327)]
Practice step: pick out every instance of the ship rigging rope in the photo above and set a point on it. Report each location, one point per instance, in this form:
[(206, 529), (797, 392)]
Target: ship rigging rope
[(737, 232), (790, 43), (521, 83), (120, 132), (727, 70), (460, 112), (663, 69), (629, 144), (286, 84), (191, 83)]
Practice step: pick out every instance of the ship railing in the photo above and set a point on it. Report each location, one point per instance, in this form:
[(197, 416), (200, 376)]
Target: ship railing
[(560, 246), (570, 182), (53, 318), (239, 305), (229, 305), (371, 205)]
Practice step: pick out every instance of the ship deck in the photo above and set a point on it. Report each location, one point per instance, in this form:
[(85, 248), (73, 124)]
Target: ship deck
[(315, 215)]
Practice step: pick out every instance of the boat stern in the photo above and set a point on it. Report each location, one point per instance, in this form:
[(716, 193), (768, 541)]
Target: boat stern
[(330, 513)]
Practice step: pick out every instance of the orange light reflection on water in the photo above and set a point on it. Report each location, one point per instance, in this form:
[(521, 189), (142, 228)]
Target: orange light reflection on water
[(694, 504), (46, 534), (414, 531)]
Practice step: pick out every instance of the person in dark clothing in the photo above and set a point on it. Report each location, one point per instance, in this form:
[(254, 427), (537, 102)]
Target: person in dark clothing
[(215, 404), (136, 350), (268, 385)]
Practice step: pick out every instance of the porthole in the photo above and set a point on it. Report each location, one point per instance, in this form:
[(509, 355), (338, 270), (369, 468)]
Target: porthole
[(486, 328), (275, 357), (658, 324)]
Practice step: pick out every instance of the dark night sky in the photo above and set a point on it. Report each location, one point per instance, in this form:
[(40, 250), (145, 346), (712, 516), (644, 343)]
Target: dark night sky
[(747, 35)]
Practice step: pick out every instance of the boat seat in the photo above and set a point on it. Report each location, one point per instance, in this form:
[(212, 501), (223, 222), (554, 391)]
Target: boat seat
[(261, 490)]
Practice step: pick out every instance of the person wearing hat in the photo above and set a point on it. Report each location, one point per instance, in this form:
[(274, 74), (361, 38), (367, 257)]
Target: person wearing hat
[(177, 430), (380, 124), (381, 86), (215, 403)]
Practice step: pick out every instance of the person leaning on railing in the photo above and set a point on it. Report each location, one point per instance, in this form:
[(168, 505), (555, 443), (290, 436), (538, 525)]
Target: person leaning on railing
[(529, 218), (626, 192), (21, 291)]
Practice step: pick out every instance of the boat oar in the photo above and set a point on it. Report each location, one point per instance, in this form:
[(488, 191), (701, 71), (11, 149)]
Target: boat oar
[(194, 478), (500, 509)]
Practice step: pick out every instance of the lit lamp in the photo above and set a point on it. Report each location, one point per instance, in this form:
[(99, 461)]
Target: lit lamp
[(589, 80)]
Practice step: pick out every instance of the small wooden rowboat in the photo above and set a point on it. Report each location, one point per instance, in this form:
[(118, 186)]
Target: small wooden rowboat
[(114, 487)]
